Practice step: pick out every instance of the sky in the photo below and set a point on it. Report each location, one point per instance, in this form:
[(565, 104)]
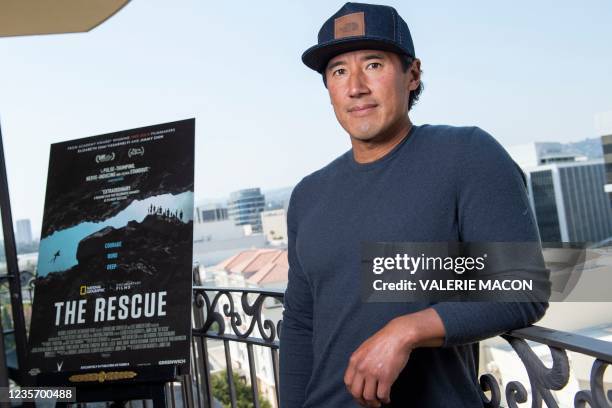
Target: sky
[(523, 71)]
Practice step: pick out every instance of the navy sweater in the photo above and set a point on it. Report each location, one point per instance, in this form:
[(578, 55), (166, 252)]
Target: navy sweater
[(441, 183)]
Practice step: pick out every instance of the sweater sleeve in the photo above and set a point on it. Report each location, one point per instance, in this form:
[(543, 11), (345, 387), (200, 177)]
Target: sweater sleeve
[(296, 354), (492, 206)]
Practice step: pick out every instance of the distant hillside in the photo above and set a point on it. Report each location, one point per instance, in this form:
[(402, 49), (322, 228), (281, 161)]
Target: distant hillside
[(590, 148), (278, 194), (275, 195)]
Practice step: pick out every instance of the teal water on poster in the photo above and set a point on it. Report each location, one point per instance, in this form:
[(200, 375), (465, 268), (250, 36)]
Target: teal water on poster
[(66, 241)]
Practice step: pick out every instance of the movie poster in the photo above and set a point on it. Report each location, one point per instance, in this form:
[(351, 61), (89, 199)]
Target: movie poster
[(114, 267)]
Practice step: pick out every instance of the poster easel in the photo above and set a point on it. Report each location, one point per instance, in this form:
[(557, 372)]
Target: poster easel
[(143, 383)]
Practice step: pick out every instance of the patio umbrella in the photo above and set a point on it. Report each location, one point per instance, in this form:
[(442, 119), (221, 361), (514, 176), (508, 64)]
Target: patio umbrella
[(31, 17)]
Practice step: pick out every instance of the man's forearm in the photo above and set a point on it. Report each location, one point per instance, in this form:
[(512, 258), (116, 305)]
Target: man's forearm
[(469, 322), (421, 329)]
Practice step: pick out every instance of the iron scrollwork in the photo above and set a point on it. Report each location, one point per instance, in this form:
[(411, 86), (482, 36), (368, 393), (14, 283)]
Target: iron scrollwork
[(596, 396), (218, 305), (544, 380), (223, 299)]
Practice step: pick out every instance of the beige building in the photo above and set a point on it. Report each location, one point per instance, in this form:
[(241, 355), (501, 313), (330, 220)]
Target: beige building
[(274, 224), (603, 125)]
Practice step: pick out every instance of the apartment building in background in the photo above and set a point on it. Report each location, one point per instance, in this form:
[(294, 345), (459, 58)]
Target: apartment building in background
[(566, 192), (245, 207), (23, 233), (603, 125)]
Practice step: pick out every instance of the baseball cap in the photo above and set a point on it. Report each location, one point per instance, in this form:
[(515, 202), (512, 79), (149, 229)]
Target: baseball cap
[(359, 26)]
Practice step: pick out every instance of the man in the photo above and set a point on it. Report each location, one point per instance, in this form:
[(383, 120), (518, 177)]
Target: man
[(398, 183)]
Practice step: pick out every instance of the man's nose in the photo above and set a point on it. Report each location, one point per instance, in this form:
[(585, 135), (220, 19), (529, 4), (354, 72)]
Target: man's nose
[(357, 85)]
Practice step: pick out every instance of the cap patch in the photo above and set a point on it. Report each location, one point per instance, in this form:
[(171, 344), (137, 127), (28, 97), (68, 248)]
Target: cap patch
[(349, 25)]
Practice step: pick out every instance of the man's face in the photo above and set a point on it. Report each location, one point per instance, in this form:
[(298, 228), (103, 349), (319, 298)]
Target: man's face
[(369, 92)]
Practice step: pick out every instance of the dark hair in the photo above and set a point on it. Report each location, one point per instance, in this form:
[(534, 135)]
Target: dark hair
[(414, 95), (406, 61)]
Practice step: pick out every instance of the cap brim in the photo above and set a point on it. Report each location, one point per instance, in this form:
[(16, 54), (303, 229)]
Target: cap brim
[(317, 56)]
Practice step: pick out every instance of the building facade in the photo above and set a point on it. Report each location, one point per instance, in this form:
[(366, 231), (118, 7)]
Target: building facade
[(606, 142), (210, 213), (24, 232), (245, 207), (274, 224), (569, 201), (603, 124)]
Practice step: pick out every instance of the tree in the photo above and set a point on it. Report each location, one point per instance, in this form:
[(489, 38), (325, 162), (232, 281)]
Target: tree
[(244, 394)]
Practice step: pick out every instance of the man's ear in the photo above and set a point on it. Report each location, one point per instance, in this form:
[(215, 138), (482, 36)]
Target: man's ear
[(414, 75)]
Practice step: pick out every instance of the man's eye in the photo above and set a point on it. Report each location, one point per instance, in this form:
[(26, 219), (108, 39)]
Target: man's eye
[(339, 71), (374, 65)]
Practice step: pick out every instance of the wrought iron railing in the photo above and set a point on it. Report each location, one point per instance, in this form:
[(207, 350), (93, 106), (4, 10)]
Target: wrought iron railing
[(238, 315), (219, 315), (543, 380), (243, 316)]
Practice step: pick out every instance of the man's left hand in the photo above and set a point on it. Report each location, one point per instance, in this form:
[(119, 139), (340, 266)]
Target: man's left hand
[(376, 364)]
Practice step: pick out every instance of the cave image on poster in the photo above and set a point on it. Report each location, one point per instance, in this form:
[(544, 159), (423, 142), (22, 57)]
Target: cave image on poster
[(114, 268)]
